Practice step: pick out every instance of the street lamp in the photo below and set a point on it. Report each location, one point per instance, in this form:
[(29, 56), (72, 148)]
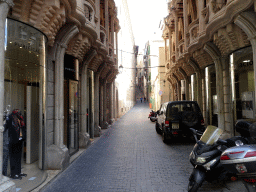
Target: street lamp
[(121, 68)]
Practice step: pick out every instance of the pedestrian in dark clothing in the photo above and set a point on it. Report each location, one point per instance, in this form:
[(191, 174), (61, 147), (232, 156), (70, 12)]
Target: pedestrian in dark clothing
[(141, 99), (144, 99), (16, 131), (5, 149)]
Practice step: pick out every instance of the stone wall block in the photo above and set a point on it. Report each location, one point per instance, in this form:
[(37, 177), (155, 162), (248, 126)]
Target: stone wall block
[(50, 88), (50, 100), (57, 158), (84, 140), (227, 117), (226, 107), (50, 138), (50, 112), (50, 125), (50, 75)]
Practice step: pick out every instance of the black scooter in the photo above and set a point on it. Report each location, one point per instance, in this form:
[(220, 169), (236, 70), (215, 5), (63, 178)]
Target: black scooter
[(205, 157)]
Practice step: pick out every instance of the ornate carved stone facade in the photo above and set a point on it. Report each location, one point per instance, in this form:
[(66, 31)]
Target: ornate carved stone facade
[(85, 31), (213, 31)]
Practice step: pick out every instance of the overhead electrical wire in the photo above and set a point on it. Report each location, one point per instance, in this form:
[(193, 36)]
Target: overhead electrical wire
[(137, 54)]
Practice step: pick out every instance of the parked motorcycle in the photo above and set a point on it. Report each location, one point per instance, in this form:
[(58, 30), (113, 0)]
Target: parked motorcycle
[(241, 160), (152, 116), (205, 157)]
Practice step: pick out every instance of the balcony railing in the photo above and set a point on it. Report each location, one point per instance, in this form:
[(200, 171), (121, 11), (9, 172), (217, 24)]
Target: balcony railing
[(102, 35), (181, 47)]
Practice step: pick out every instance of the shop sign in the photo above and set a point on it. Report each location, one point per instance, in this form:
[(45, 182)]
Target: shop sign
[(28, 47), (245, 64)]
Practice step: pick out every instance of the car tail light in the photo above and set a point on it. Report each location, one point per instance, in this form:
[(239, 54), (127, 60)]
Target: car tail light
[(250, 154), (175, 133), (233, 178), (224, 157), (167, 124), (202, 122)]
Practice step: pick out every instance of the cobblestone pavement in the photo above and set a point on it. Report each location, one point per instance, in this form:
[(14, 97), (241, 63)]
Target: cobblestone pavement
[(130, 156)]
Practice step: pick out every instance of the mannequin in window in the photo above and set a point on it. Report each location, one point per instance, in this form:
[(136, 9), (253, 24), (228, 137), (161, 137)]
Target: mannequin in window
[(16, 130)]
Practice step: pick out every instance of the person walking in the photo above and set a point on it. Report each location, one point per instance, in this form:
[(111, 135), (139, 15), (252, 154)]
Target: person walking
[(141, 99), (144, 99)]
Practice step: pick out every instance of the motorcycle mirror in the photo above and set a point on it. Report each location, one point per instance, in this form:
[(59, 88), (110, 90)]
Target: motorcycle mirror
[(193, 131), (194, 134)]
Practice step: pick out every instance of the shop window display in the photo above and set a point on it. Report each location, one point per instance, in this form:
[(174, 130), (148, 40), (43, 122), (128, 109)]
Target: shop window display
[(24, 81), (242, 83)]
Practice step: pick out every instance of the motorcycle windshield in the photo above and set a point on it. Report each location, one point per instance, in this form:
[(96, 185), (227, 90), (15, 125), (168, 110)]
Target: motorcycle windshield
[(211, 135)]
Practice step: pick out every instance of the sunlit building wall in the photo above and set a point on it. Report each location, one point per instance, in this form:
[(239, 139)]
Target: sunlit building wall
[(126, 79), (154, 64)]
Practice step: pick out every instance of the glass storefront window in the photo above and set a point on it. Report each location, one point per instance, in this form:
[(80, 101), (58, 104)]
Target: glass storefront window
[(242, 83), (24, 80), (211, 96)]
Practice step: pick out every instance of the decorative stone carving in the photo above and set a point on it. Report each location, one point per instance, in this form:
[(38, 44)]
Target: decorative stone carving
[(9, 2), (194, 32), (205, 13), (217, 5), (188, 38)]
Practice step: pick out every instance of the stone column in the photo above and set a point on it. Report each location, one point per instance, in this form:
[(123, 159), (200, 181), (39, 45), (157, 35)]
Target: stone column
[(186, 83), (178, 91), (116, 34), (97, 15), (101, 103), (5, 183), (104, 103), (227, 93), (198, 79), (176, 20), (112, 29), (83, 135), (203, 95), (208, 119), (107, 25), (96, 104), (114, 101), (185, 17), (110, 101), (91, 104), (213, 51), (57, 154)]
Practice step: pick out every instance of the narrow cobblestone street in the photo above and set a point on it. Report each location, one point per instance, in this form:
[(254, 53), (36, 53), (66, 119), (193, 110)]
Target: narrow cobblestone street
[(130, 156)]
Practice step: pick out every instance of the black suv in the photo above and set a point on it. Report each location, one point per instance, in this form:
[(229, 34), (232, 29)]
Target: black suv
[(176, 117)]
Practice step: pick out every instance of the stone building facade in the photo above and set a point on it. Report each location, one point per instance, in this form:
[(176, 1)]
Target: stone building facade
[(210, 57), (58, 66)]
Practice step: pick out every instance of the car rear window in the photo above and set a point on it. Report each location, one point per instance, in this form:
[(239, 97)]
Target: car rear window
[(180, 107)]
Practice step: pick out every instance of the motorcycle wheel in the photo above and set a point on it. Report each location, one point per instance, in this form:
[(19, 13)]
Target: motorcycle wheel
[(193, 186)]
